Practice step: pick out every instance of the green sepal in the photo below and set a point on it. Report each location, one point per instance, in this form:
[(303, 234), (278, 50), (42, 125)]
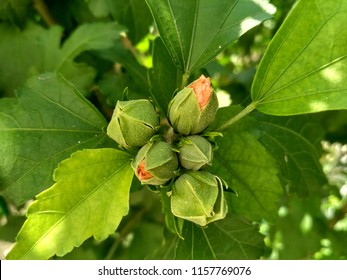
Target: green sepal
[(195, 152), (198, 196), (133, 123), (160, 161)]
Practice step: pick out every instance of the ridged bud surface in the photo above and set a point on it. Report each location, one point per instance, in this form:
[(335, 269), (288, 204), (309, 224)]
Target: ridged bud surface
[(198, 196), (194, 107), (155, 163), (195, 152), (133, 123)]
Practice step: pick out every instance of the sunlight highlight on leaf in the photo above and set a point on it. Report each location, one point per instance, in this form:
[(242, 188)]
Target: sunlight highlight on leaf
[(305, 65), (194, 32), (90, 198)]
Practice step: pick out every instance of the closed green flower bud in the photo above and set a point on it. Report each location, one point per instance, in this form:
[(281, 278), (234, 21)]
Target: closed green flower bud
[(195, 152), (194, 107), (133, 123), (155, 163), (198, 196)]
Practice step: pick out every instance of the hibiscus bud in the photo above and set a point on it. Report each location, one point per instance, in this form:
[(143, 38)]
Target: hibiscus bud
[(195, 152), (194, 107), (198, 196), (133, 123), (155, 163)]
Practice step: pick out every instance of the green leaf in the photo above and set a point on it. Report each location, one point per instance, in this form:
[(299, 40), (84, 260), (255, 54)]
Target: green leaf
[(300, 229), (9, 230), (136, 74), (49, 120), (295, 143), (304, 68), (230, 238), (164, 77), (14, 10), (248, 168), (99, 8), (36, 50), (195, 31), (90, 198), (134, 14)]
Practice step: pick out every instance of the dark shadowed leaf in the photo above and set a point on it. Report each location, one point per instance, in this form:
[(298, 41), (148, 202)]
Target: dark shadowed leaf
[(295, 143), (230, 238), (164, 77)]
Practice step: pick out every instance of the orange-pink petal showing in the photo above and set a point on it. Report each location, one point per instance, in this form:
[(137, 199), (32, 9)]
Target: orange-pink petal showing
[(142, 173), (203, 90)]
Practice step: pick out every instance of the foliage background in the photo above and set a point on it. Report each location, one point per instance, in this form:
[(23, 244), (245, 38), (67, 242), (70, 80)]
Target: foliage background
[(40, 36)]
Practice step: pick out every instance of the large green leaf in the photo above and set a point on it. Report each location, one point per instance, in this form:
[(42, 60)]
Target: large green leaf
[(230, 238), (195, 31), (36, 50), (248, 168), (252, 172), (295, 143), (305, 66), (49, 120), (89, 198)]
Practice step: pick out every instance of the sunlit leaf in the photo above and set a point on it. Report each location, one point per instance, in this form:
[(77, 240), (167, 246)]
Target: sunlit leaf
[(196, 31), (90, 198), (305, 66)]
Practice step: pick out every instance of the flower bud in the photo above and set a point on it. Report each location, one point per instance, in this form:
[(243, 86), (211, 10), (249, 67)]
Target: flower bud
[(194, 107), (133, 123), (198, 196), (195, 152), (155, 163)]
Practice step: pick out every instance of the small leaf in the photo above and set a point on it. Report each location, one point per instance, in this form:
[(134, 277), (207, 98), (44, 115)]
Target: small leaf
[(90, 198), (49, 120), (304, 68), (195, 31), (230, 238)]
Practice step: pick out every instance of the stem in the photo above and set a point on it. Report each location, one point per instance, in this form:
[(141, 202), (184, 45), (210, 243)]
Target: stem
[(185, 79), (42, 9), (239, 116), (127, 228)]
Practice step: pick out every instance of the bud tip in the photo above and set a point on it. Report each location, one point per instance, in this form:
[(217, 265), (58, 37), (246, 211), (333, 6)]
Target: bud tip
[(203, 90)]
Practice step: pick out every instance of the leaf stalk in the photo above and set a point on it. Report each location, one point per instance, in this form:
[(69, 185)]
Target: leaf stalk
[(237, 117)]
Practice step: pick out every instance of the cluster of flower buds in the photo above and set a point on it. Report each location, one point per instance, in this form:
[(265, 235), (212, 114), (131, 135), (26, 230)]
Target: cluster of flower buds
[(196, 195)]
